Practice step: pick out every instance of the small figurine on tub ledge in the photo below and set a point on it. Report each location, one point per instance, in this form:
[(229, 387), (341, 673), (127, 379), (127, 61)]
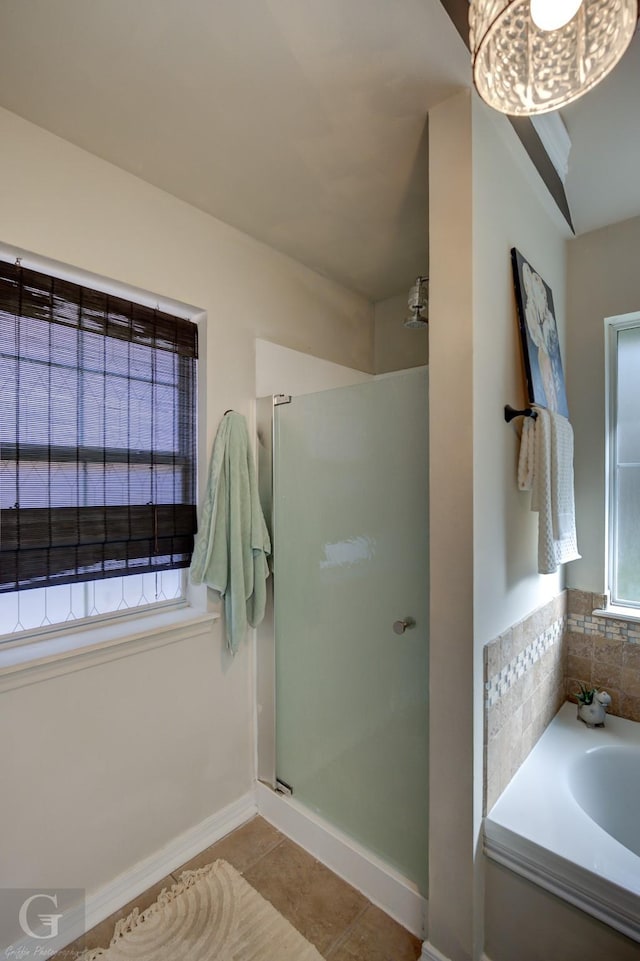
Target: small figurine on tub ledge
[(592, 706)]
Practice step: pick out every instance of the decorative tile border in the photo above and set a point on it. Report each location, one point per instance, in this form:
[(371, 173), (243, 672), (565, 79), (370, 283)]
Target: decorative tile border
[(602, 652), (524, 687), (499, 685), (609, 627)]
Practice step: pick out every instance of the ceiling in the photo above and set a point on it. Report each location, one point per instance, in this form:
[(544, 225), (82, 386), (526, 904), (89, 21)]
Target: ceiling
[(603, 183), (300, 122)]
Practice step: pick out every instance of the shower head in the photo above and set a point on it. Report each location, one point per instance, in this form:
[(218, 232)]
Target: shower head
[(416, 320), (418, 301)]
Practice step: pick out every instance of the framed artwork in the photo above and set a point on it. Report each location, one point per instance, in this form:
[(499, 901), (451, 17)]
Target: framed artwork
[(539, 337)]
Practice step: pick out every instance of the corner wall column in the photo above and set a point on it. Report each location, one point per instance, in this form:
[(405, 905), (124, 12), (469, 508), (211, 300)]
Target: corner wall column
[(451, 870)]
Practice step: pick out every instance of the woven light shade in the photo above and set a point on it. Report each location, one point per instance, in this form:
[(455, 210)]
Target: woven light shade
[(522, 70)]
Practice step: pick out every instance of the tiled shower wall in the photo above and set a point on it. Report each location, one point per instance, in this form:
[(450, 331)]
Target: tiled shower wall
[(603, 652), (524, 674)]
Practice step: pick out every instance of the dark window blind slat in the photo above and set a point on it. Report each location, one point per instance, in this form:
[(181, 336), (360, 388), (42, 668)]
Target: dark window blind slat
[(40, 297), (97, 434)]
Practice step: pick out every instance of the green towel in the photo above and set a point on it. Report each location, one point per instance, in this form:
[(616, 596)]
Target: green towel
[(232, 543)]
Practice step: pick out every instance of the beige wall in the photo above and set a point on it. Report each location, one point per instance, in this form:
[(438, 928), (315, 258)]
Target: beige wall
[(511, 209), (162, 739), (280, 370), (397, 347), (604, 280), (485, 197), (450, 908)]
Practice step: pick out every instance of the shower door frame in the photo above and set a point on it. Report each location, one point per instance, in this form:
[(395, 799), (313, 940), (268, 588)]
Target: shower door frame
[(266, 633), (379, 882), (265, 651)]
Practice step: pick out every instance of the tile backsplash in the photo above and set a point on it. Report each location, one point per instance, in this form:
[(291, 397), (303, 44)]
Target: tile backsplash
[(603, 652), (532, 668), (524, 687)]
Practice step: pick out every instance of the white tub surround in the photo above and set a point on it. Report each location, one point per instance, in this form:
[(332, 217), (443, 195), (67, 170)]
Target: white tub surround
[(553, 824)]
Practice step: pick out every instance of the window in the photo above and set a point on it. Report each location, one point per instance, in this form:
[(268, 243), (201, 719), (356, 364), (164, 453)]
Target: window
[(97, 451), (624, 460)]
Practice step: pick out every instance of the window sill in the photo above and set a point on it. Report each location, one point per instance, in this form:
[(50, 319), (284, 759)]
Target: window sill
[(64, 653)]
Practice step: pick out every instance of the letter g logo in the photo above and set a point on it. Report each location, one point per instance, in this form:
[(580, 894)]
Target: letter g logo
[(47, 920)]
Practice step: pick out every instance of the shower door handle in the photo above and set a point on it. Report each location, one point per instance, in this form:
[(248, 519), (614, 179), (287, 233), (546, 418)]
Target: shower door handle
[(401, 626)]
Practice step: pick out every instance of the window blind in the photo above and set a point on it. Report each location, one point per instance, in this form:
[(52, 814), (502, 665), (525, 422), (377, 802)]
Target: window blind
[(97, 434)]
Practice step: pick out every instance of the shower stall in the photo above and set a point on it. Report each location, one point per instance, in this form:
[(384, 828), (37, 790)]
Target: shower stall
[(344, 480)]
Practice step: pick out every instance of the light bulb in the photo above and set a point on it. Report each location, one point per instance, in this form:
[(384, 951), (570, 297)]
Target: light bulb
[(553, 14)]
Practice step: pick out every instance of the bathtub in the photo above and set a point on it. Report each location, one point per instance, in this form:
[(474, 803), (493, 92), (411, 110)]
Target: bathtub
[(570, 818)]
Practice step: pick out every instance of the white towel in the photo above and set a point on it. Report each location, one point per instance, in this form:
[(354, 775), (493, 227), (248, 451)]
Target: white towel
[(526, 459), (551, 484), (562, 502)]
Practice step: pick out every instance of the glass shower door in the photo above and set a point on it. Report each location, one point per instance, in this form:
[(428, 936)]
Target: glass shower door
[(350, 566)]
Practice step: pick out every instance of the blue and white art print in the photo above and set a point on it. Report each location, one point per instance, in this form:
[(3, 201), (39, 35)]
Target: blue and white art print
[(539, 336)]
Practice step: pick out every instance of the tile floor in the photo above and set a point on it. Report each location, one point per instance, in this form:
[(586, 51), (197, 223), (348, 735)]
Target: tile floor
[(336, 918)]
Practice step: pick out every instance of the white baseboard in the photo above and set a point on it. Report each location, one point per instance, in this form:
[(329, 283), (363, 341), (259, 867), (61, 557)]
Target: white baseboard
[(352, 862), (375, 879), (127, 886), (429, 953), (156, 867)]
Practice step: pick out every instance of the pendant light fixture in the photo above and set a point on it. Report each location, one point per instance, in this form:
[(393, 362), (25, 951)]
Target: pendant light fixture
[(533, 56)]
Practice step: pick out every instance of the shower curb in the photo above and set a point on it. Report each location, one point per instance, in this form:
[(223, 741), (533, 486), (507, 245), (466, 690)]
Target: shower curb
[(380, 883)]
